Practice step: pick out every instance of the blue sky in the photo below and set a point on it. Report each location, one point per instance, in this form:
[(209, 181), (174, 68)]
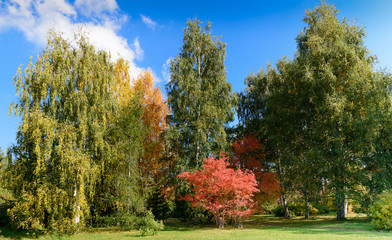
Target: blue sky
[(147, 33)]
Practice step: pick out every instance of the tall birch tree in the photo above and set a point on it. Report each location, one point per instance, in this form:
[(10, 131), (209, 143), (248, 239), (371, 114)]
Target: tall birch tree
[(199, 96)]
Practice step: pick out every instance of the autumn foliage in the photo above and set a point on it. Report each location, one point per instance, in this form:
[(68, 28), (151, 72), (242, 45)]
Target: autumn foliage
[(155, 110), (224, 191), (249, 153)]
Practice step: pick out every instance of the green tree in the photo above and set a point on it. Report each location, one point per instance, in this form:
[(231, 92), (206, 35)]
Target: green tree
[(289, 113), (199, 96), (78, 141), (64, 102), (268, 106), (159, 203), (345, 93), (120, 191), (312, 110)]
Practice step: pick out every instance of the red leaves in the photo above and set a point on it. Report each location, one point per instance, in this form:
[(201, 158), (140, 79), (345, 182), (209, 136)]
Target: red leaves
[(222, 190), (249, 153), (228, 191)]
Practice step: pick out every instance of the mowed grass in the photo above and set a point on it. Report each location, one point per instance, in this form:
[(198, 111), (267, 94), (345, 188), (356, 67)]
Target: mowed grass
[(258, 227)]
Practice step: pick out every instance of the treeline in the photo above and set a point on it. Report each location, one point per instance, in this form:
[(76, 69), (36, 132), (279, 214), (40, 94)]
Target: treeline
[(95, 147)]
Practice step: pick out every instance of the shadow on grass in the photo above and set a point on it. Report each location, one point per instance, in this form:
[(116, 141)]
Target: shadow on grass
[(327, 221), (166, 229), (327, 224), (8, 234)]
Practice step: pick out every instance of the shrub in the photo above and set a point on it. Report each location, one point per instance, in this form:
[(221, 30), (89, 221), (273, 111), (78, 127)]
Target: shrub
[(278, 211), (5, 220), (295, 210), (299, 209), (148, 225), (269, 207), (321, 208), (127, 222), (382, 211)]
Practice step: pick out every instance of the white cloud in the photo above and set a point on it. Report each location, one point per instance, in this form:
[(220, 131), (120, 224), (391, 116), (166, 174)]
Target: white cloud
[(148, 21), (89, 7), (138, 49), (166, 70), (35, 17)]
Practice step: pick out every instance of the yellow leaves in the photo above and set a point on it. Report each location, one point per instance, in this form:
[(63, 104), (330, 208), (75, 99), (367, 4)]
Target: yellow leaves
[(122, 80)]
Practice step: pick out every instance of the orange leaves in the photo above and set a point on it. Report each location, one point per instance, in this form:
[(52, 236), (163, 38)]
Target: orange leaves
[(155, 110), (155, 107)]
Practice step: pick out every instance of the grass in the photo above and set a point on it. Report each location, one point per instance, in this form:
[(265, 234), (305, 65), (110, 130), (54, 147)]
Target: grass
[(358, 222), (258, 227)]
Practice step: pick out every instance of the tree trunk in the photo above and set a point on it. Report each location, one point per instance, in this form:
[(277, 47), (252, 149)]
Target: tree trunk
[(220, 221), (118, 204), (285, 206), (196, 218), (238, 222), (345, 204), (340, 202), (283, 197), (197, 142), (77, 206), (197, 153), (339, 180), (306, 205)]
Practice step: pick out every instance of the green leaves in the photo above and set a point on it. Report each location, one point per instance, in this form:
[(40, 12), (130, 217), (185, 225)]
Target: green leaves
[(321, 114), (199, 96), (73, 135)]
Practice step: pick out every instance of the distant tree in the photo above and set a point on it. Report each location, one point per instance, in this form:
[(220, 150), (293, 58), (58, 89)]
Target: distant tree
[(224, 191), (199, 97)]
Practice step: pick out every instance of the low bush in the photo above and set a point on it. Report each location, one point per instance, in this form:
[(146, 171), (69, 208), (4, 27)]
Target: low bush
[(149, 226), (278, 211), (382, 211), (321, 208), (146, 224), (269, 207)]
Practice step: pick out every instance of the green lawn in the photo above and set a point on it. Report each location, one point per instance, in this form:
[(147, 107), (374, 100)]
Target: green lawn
[(258, 227)]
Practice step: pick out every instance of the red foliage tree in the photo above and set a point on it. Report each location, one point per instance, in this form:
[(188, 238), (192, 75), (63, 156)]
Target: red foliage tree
[(249, 153), (224, 191)]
